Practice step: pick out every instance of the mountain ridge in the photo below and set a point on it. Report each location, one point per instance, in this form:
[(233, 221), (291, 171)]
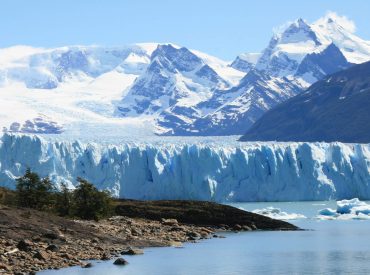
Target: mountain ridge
[(333, 109), (167, 89)]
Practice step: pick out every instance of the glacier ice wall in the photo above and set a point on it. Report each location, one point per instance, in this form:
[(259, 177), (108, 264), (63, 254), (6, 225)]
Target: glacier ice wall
[(218, 172)]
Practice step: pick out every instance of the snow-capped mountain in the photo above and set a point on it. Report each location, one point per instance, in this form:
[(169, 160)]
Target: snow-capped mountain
[(173, 75), (333, 109), (174, 83), (230, 111), (245, 62), (70, 87), (316, 66), (48, 68), (165, 88), (288, 48), (295, 58)]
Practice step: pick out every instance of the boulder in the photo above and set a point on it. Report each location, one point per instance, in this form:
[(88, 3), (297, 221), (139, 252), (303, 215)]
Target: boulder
[(41, 255), (105, 257), (95, 240), (25, 245), (87, 265), (194, 235), (132, 251), (237, 227), (120, 261), (51, 235), (67, 256), (53, 248), (247, 228)]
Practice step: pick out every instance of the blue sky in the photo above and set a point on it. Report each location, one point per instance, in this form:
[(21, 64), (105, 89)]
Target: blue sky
[(223, 28)]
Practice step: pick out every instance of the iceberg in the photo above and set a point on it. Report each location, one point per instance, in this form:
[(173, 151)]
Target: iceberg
[(214, 171), (347, 209), (277, 213)]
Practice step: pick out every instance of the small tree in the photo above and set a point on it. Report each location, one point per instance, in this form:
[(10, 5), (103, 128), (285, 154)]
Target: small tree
[(33, 192), (63, 201), (90, 203)]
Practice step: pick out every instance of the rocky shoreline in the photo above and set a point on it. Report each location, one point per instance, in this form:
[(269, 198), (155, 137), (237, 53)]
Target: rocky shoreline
[(31, 241)]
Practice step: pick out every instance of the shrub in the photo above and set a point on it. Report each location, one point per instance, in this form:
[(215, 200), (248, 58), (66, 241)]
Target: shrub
[(63, 201), (85, 202), (90, 203), (7, 197), (34, 192)]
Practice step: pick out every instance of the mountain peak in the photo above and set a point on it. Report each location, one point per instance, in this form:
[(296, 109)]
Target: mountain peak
[(180, 58), (301, 23), (296, 32), (333, 20)]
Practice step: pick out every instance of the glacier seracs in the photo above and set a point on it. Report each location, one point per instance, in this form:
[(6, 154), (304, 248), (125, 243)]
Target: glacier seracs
[(204, 171)]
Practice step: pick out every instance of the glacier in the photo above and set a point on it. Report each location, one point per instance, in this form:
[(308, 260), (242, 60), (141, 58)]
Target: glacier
[(215, 171)]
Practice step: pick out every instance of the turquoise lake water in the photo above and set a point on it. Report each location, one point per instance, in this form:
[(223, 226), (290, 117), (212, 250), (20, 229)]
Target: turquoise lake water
[(329, 247)]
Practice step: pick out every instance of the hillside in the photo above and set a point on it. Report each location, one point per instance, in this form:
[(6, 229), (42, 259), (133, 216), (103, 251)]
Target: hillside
[(334, 109)]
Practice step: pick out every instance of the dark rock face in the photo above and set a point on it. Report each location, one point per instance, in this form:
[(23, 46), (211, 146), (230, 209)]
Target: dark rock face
[(38, 125), (242, 65), (334, 109), (199, 213), (329, 61)]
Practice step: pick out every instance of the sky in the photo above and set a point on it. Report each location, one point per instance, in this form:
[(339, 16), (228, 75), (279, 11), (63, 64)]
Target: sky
[(223, 28)]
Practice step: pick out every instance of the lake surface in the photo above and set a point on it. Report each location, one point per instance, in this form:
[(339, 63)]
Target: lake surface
[(330, 247)]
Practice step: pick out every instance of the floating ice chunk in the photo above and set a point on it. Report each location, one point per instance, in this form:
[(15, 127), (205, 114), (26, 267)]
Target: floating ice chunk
[(346, 206), (360, 216), (276, 213), (353, 209), (328, 212)]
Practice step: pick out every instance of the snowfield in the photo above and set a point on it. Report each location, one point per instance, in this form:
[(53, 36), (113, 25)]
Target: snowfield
[(202, 169)]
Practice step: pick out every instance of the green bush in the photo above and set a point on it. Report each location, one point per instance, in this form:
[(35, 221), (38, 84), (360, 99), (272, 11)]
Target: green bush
[(90, 203), (85, 202), (63, 201), (34, 192)]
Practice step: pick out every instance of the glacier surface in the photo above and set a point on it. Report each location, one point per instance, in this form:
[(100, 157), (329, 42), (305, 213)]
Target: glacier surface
[(217, 170)]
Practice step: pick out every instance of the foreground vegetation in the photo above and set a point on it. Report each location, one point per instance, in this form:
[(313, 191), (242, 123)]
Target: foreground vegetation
[(84, 202), (33, 240)]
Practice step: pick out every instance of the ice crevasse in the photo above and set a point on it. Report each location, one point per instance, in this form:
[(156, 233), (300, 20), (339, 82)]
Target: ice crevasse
[(217, 172)]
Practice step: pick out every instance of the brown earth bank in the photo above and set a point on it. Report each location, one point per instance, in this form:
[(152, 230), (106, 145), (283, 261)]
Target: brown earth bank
[(31, 240)]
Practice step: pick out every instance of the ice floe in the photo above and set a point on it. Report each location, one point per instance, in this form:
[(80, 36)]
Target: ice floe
[(353, 209), (277, 213)]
